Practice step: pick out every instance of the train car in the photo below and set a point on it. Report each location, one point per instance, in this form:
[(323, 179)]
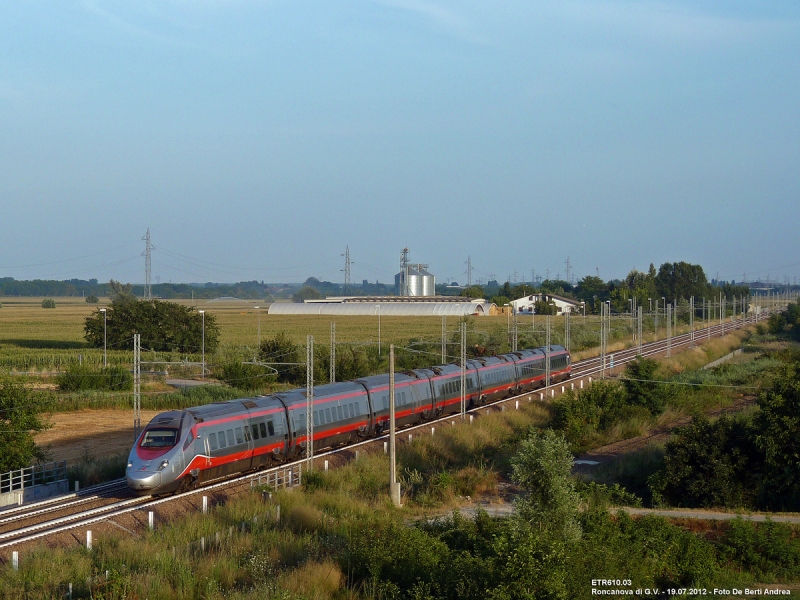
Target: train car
[(413, 398), (497, 378), (446, 383), (341, 415)]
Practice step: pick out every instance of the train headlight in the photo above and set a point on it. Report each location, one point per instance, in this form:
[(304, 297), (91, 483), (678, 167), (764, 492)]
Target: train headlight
[(163, 465), (130, 464)]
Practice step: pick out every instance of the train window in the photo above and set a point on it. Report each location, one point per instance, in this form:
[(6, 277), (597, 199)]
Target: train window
[(160, 438), (246, 434), (212, 441), (328, 415), (271, 428), (339, 410), (403, 401), (230, 437), (352, 410), (221, 437), (263, 429), (358, 409), (189, 439), (316, 418), (239, 436), (254, 427)]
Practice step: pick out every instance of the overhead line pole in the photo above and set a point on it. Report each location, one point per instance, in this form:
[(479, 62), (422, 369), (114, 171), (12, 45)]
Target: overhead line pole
[(310, 403), (394, 486)]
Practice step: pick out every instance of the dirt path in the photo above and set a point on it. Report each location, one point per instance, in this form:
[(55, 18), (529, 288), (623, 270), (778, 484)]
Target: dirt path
[(659, 435), (97, 433)]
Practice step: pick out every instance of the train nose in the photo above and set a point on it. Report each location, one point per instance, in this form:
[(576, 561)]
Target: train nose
[(143, 480)]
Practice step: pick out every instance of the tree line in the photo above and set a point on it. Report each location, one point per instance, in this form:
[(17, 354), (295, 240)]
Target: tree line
[(673, 281)]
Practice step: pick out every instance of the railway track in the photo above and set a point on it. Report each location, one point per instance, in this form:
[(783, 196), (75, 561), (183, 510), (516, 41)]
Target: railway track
[(101, 503)]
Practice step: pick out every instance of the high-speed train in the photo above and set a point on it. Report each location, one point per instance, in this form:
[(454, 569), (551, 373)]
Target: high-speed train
[(181, 449)]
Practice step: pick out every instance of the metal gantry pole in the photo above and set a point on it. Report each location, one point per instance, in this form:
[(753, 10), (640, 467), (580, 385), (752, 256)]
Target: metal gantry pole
[(394, 486), (309, 403), (333, 352), (514, 339), (603, 339), (444, 340), (547, 353), (463, 371), (669, 329), (567, 329), (137, 385), (639, 328), (691, 320)]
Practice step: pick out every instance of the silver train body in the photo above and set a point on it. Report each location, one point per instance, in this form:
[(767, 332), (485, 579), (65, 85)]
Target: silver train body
[(181, 449)]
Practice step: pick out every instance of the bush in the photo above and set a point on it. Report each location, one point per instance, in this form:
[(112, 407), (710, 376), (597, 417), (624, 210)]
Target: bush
[(79, 377), (710, 465), (244, 376), (92, 299), (48, 303)]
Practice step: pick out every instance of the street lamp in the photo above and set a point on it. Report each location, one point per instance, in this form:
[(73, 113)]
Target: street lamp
[(583, 304), (258, 309), (105, 337), (203, 313)]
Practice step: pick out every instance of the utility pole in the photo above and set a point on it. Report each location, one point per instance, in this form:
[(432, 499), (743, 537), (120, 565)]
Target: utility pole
[(333, 352), (137, 385), (346, 270), (463, 371), (469, 271), (394, 486), (148, 293), (310, 403), (691, 321), (567, 328)]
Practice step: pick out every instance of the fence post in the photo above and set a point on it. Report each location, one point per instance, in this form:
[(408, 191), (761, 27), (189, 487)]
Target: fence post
[(150, 520), (88, 539), (15, 560), (205, 504)]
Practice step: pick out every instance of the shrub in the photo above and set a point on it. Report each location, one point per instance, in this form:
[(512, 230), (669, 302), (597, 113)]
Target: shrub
[(710, 464), (48, 303), (80, 377), (92, 299)]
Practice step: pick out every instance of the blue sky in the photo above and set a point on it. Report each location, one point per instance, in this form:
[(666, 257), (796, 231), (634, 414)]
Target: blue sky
[(257, 139)]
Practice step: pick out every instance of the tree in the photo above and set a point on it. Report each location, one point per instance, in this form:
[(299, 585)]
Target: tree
[(19, 421), (279, 350), (681, 280), (710, 465), (777, 426), (472, 292), (543, 468), (640, 384), (120, 293), (306, 293), (164, 326)]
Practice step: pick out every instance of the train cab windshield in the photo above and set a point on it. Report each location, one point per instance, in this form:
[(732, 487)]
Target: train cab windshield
[(159, 438)]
